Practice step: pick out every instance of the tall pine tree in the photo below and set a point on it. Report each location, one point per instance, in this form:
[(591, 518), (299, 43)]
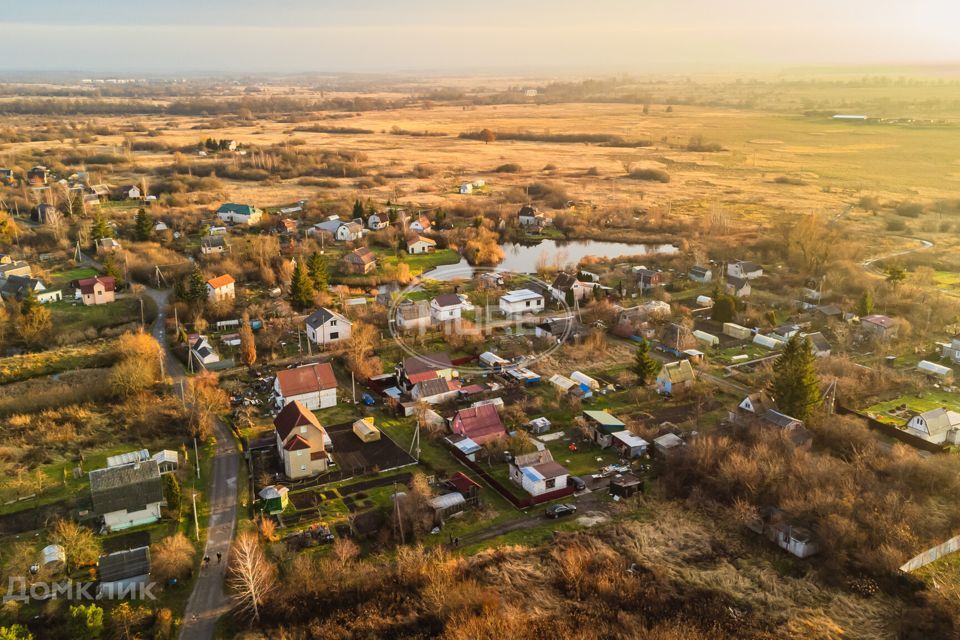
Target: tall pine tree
[(301, 288), (318, 271), (865, 304), (197, 286), (643, 363), (143, 225), (100, 228), (795, 386)]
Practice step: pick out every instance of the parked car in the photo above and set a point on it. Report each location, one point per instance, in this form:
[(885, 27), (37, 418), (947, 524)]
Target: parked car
[(577, 483), (560, 510), (367, 399)]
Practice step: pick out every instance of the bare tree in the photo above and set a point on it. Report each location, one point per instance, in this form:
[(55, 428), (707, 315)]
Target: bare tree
[(251, 577)]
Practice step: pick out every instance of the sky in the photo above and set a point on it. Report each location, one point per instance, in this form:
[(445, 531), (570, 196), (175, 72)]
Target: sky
[(257, 36)]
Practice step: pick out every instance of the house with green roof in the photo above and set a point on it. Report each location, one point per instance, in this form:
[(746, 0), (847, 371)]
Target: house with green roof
[(602, 426), (239, 213)]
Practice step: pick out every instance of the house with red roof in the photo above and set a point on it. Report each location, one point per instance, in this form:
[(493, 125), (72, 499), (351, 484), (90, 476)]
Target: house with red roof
[(221, 288), (313, 385), (302, 442), (97, 290), (428, 366), (481, 424)]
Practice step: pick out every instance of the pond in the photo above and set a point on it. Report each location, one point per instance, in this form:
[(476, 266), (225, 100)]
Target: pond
[(523, 258)]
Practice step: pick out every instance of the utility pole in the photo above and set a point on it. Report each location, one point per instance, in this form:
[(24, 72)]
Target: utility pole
[(396, 504), (196, 520), (143, 324), (353, 386), (196, 456), (415, 443)]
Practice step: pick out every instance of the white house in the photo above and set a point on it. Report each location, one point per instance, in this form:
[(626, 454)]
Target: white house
[(537, 473), (213, 245), (302, 442), (521, 301), (446, 306), (420, 225), (313, 385), (327, 327), (221, 288), (936, 425), (565, 282), (700, 274), (128, 495), (466, 188), (738, 287), (239, 213), (413, 314), (951, 350), (744, 269), (376, 222), (528, 216), (202, 351), (421, 244)]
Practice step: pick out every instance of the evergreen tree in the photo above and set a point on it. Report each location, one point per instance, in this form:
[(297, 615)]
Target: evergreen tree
[(317, 267), (896, 274), (597, 294), (392, 216), (101, 229), (643, 363), (865, 304), (196, 289), (29, 303), (301, 288), (724, 308), (439, 218), (795, 386), (357, 209), (143, 225), (570, 298), (111, 269), (172, 492)]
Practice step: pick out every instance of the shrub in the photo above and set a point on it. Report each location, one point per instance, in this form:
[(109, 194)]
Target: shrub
[(651, 175)]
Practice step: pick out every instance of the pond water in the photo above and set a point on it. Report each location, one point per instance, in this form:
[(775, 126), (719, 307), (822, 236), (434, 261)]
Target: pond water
[(523, 258)]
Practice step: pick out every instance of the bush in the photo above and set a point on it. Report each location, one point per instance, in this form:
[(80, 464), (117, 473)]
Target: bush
[(651, 175), (510, 167), (909, 209), (789, 180)]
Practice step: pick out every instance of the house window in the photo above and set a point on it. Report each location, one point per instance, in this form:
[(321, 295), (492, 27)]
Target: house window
[(334, 335), (333, 323), (528, 303), (551, 483)]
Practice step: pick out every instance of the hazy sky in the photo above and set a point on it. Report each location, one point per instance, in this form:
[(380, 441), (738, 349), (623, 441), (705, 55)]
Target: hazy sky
[(391, 35)]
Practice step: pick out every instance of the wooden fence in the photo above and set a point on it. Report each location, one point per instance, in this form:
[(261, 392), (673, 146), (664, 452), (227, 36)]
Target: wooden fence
[(893, 432)]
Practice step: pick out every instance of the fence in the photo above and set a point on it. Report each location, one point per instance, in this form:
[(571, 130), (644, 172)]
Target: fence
[(519, 503), (931, 555), (893, 432)]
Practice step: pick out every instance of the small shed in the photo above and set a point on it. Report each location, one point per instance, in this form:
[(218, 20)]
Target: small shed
[(562, 382), (935, 370), (736, 331), (704, 301), (120, 573), (365, 430), (629, 444), (706, 338), (626, 485), (668, 443), (274, 498), (539, 425), (493, 361), (583, 378), (53, 557), (447, 505), (767, 342)]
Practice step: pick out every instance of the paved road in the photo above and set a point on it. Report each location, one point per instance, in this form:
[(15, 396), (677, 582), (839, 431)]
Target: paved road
[(208, 601)]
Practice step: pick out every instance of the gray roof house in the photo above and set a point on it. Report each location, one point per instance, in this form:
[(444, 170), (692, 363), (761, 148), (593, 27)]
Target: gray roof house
[(127, 496), (120, 571)]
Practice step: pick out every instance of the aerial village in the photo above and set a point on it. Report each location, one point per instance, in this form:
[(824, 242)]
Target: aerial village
[(392, 375)]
